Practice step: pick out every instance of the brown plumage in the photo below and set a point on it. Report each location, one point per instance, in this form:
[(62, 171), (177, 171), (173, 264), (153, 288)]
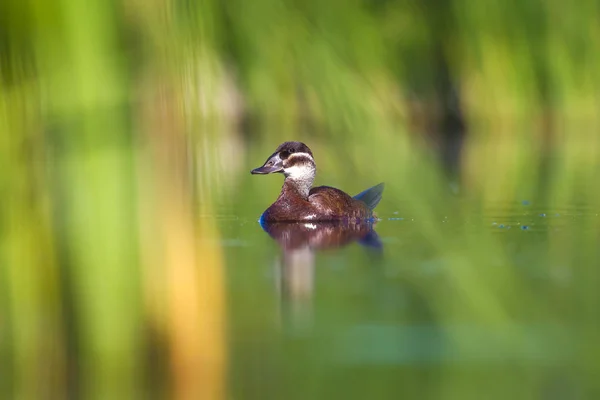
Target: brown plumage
[(298, 201)]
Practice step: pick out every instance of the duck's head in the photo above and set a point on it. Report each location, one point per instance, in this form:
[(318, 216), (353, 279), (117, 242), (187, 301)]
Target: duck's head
[(293, 159)]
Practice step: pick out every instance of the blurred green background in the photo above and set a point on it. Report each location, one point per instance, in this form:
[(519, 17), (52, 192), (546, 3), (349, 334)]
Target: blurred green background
[(132, 265)]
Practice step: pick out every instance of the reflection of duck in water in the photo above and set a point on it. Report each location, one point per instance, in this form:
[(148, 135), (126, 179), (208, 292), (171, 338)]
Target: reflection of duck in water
[(295, 269), (320, 235), (299, 201)]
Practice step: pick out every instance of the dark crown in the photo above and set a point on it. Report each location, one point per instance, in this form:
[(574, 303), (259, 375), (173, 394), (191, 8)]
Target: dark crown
[(293, 147)]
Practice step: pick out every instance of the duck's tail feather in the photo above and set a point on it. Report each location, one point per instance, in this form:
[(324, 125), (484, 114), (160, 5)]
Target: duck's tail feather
[(372, 196)]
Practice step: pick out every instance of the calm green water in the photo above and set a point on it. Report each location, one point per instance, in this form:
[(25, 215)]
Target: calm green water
[(479, 305)]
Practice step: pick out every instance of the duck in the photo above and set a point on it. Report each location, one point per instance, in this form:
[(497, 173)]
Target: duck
[(300, 201)]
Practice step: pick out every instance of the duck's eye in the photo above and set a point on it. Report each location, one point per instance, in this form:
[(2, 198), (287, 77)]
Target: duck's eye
[(284, 154)]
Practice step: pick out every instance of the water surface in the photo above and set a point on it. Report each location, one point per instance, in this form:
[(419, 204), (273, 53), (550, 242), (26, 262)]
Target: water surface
[(471, 306)]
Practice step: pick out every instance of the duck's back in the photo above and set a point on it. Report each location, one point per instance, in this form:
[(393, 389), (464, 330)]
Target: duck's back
[(332, 203)]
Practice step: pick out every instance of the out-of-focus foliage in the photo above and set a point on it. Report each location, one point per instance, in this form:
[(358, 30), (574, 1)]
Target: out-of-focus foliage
[(127, 129)]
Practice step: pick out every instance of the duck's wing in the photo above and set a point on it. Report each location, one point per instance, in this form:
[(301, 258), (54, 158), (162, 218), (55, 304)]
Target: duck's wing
[(329, 202), (372, 196)]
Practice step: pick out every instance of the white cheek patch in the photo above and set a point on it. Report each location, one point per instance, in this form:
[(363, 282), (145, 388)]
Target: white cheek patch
[(300, 172), (304, 170)]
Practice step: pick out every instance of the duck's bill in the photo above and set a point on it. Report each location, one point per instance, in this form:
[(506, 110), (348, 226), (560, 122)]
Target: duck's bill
[(266, 170), (273, 164)]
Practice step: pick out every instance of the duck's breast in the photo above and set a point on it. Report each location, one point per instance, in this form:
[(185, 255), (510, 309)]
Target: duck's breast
[(289, 210)]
